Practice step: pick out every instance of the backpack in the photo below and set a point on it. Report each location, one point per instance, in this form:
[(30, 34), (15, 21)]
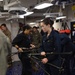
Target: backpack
[(68, 46), (66, 43)]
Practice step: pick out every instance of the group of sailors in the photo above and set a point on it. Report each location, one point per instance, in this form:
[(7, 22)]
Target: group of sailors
[(49, 49)]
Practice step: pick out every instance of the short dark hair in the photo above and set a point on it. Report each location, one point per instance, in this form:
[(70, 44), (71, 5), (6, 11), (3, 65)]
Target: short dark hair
[(48, 21), (35, 27), (3, 24), (26, 27), (21, 24)]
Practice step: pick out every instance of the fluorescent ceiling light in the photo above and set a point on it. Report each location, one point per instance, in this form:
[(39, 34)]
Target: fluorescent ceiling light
[(60, 17), (41, 19), (49, 16), (32, 23), (43, 5), (1, 0), (21, 16), (37, 21), (27, 14)]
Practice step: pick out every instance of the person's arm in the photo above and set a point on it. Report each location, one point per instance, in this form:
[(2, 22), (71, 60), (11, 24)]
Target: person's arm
[(16, 42), (18, 48)]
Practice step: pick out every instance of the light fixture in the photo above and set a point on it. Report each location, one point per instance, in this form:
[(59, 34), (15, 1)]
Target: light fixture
[(41, 19), (49, 16), (27, 14), (63, 4), (1, 0), (32, 23), (52, 15), (43, 5), (17, 10), (60, 17)]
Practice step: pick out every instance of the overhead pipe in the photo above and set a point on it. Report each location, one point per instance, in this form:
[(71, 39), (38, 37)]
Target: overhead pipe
[(13, 3)]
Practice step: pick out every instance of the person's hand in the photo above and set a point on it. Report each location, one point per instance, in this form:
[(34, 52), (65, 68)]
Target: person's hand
[(20, 50), (43, 53), (16, 46), (44, 60), (32, 46)]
